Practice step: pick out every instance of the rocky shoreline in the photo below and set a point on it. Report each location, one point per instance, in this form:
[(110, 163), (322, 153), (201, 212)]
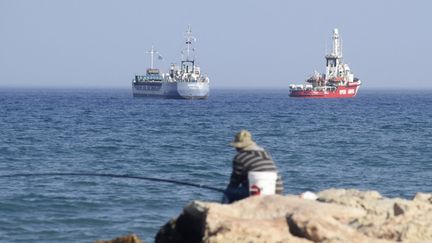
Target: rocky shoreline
[(337, 215)]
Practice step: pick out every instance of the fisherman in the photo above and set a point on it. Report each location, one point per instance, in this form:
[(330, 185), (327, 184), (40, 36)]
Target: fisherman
[(250, 157)]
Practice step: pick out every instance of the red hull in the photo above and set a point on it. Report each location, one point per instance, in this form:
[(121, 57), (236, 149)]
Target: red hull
[(340, 92)]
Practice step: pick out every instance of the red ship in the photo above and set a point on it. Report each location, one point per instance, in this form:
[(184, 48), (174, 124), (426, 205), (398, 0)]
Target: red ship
[(337, 82)]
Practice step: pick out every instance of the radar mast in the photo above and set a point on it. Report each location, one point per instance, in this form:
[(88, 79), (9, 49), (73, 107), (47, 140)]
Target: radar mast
[(152, 52)]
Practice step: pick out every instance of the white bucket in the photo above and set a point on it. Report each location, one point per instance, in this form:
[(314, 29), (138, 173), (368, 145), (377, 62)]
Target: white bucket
[(262, 183)]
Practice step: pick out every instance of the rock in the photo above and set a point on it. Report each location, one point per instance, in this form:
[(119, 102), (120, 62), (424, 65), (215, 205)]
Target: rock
[(238, 222), (352, 198), (245, 220), (247, 230), (123, 239), (319, 227), (338, 215), (387, 218), (169, 233), (188, 227), (276, 206), (424, 197)]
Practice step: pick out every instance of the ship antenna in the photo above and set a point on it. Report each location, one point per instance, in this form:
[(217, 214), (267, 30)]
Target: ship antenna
[(152, 52), (336, 44), (341, 47), (325, 48), (189, 38)]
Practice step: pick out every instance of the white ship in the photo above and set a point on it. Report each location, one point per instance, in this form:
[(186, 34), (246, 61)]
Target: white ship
[(191, 83), (186, 82)]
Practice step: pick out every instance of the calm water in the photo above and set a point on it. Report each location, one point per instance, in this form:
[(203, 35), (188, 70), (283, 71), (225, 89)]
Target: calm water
[(376, 141)]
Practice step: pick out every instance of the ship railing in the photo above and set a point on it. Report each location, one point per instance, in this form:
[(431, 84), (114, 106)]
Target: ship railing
[(145, 78), (188, 80), (301, 87)]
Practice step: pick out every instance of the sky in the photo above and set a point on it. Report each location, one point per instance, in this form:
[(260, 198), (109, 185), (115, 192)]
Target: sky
[(240, 44)]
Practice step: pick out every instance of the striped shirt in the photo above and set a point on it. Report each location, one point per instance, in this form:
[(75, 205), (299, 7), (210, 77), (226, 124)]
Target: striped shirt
[(252, 160)]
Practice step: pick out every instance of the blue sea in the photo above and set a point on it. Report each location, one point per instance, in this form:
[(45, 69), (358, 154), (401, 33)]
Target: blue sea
[(379, 140)]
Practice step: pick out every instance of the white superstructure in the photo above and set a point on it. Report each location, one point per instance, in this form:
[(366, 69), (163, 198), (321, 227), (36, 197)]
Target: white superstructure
[(191, 83), (336, 69)]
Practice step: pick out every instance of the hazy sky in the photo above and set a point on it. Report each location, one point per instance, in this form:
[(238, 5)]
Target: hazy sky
[(251, 44)]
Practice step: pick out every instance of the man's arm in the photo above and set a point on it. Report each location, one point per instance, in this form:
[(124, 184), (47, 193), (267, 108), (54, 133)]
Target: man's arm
[(236, 174)]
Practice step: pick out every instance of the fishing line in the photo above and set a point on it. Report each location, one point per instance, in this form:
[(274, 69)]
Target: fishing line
[(124, 176)]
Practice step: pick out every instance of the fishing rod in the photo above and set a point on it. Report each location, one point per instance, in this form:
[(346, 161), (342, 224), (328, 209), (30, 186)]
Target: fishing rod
[(115, 176)]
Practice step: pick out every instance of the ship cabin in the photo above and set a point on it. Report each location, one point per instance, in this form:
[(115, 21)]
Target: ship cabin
[(189, 67), (332, 61), (152, 75)]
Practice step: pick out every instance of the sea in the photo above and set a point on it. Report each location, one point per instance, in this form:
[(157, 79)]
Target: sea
[(380, 140)]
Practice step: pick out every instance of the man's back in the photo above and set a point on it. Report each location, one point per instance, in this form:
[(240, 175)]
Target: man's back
[(253, 159), (250, 158)]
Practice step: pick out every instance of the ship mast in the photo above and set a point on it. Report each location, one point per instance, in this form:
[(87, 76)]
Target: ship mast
[(188, 63), (334, 58), (189, 38), (152, 52), (337, 45)]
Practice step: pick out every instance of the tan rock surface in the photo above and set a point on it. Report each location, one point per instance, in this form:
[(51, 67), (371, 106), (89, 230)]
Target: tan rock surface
[(424, 197), (387, 218), (338, 216), (123, 239), (319, 227)]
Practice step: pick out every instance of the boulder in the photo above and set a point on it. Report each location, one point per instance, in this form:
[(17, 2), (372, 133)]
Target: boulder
[(338, 215), (424, 197), (122, 239), (393, 219), (255, 219), (321, 227)]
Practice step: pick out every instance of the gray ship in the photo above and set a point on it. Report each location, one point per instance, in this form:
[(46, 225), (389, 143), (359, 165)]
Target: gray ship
[(153, 83), (185, 82)]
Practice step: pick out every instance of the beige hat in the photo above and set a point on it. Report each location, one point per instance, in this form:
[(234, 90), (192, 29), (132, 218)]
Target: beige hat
[(242, 139)]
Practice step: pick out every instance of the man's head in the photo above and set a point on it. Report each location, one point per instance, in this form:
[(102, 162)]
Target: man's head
[(242, 139)]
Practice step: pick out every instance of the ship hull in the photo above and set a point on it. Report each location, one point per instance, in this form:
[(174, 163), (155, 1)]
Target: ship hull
[(193, 90), (171, 90), (340, 92), (165, 90)]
